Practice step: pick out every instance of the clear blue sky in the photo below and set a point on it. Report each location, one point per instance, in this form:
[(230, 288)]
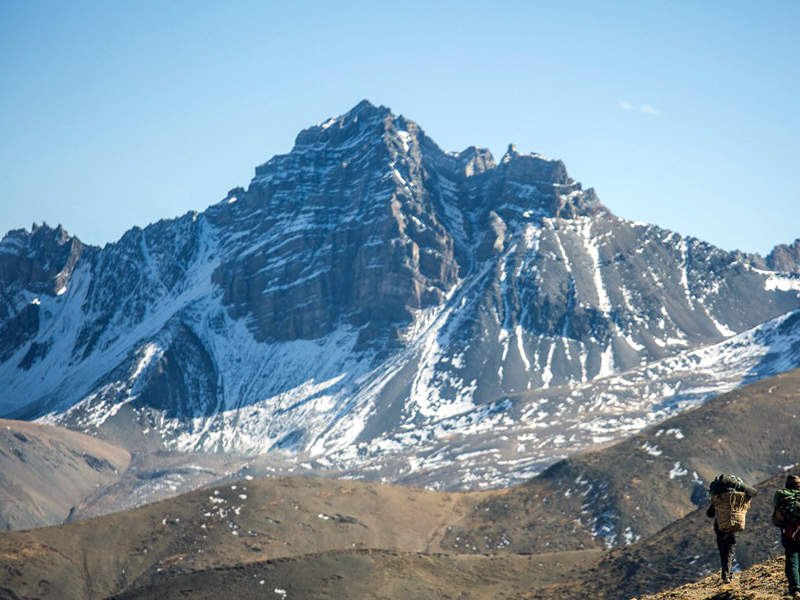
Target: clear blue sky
[(680, 113)]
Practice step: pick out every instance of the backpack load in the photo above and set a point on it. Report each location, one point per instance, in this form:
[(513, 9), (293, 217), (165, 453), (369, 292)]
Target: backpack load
[(786, 508), (731, 483), (731, 510)]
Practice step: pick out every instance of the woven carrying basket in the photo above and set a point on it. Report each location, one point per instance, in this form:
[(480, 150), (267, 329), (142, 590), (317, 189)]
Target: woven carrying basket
[(731, 509)]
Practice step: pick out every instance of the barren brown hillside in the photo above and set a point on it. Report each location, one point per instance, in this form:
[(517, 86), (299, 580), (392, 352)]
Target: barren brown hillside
[(392, 541), (46, 471)]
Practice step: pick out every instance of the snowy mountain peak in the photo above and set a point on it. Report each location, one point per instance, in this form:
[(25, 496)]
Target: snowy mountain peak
[(369, 294), (41, 260), (361, 120)]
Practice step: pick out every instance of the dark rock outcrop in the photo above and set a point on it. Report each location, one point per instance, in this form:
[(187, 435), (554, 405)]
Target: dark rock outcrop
[(785, 257)]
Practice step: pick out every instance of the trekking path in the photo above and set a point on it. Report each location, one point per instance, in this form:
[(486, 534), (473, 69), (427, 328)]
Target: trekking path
[(760, 581)]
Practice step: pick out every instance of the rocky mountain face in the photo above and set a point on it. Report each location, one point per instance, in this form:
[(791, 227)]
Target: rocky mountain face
[(37, 262), (785, 258), (372, 300)]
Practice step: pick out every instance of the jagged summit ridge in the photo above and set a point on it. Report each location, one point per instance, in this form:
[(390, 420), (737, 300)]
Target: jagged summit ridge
[(364, 118), (392, 197), (366, 288), (366, 127)]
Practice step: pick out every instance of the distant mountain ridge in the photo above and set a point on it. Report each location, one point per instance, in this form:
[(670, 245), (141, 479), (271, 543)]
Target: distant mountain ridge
[(366, 291)]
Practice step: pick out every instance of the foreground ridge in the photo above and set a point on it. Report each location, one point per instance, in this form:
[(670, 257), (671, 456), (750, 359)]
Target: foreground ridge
[(764, 580)]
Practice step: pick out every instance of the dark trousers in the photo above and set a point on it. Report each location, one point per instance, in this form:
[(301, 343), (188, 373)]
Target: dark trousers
[(792, 550), (726, 542)]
